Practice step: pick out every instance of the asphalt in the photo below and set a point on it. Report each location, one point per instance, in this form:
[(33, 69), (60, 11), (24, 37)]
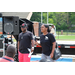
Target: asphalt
[(63, 58)]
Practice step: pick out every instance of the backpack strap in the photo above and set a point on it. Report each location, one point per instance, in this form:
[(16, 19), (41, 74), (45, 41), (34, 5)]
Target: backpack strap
[(51, 41)]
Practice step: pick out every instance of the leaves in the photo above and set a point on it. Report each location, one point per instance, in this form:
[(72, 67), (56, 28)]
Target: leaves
[(62, 20)]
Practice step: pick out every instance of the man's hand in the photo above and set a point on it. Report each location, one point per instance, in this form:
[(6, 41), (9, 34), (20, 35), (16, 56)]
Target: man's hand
[(36, 42), (32, 49)]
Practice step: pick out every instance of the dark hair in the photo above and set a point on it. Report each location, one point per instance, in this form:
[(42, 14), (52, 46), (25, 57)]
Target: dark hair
[(11, 50), (47, 26)]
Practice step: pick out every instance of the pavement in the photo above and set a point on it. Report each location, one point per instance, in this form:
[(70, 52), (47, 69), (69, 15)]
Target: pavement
[(63, 58), (69, 56)]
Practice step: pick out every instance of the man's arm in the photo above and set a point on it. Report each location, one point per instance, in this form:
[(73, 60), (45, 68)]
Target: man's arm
[(18, 41), (32, 42), (18, 45)]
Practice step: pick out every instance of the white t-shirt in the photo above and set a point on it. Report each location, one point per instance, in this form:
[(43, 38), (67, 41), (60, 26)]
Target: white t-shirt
[(53, 31)]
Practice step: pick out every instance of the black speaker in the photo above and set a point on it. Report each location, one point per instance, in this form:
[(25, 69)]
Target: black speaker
[(10, 25), (0, 14)]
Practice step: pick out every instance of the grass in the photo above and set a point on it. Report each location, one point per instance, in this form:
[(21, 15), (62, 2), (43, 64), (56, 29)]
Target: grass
[(65, 37)]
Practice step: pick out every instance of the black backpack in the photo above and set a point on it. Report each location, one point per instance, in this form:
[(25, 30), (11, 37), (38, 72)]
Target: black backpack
[(57, 52)]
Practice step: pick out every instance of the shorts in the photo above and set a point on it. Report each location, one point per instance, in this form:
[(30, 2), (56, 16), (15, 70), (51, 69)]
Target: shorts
[(23, 57)]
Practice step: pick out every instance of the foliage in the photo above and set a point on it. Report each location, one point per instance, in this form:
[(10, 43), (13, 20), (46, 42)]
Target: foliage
[(36, 16), (62, 20)]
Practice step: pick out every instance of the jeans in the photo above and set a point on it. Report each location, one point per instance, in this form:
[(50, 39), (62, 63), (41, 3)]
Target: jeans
[(45, 58)]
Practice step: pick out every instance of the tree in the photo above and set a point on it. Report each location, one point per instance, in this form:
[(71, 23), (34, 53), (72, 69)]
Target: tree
[(36, 16), (62, 20)]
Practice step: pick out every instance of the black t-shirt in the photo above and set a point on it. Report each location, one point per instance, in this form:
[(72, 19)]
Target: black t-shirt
[(46, 41), (25, 41)]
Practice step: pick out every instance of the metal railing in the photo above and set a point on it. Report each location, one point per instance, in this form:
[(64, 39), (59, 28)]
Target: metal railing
[(65, 32)]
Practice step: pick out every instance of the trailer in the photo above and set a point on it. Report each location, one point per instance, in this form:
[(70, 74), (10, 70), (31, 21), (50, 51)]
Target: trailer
[(67, 47)]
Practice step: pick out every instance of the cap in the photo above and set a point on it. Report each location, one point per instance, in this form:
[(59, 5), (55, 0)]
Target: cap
[(24, 25)]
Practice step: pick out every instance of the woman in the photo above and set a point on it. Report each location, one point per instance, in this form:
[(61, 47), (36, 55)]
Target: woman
[(47, 40)]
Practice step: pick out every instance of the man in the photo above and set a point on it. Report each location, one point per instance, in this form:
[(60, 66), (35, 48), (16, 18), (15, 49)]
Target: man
[(25, 41), (53, 30), (10, 53)]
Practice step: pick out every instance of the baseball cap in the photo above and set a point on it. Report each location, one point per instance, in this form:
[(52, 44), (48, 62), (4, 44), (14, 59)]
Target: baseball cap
[(24, 25)]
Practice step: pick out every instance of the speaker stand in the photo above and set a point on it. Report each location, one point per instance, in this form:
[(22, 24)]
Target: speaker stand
[(11, 38)]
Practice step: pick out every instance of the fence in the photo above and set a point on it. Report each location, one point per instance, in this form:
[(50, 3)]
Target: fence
[(65, 32)]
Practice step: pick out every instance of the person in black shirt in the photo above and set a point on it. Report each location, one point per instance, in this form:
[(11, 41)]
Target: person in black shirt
[(25, 41), (47, 40)]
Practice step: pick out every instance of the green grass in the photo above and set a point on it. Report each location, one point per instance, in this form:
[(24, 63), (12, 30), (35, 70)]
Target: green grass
[(65, 37)]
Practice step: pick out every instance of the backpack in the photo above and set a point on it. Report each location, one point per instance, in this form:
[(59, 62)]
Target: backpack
[(57, 52)]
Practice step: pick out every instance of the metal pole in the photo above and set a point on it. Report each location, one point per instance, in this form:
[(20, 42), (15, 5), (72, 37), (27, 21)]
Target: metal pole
[(3, 47), (47, 17), (41, 16), (11, 38)]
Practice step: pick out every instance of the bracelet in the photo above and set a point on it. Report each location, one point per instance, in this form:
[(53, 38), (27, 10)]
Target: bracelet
[(32, 47)]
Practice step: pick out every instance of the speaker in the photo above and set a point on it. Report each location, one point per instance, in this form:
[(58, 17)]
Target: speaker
[(0, 14), (10, 25)]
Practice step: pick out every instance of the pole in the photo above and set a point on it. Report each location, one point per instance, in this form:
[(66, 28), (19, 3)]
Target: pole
[(47, 17), (41, 16), (11, 38)]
